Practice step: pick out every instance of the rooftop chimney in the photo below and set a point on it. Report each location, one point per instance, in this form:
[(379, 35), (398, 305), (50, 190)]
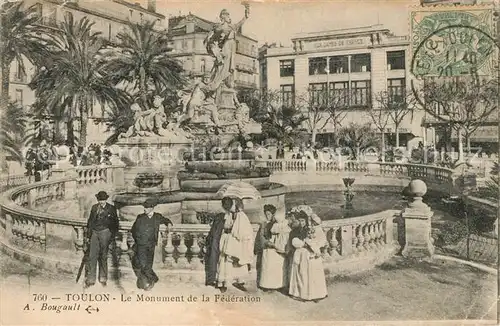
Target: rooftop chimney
[(152, 5)]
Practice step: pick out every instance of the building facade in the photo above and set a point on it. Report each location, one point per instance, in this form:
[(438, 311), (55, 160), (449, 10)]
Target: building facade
[(356, 64), (188, 33), (110, 17)]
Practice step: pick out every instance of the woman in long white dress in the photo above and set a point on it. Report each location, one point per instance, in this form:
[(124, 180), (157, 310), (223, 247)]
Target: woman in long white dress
[(274, 271), (307, 277), (236, 249)]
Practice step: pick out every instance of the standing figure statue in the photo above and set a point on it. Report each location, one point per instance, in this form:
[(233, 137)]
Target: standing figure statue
[(221, 43)]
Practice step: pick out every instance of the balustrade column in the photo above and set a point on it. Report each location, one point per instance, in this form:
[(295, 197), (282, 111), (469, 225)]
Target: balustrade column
[(195, 251), (123, 246), (169, 251), (182, 250), (332, 248), (79, 239)]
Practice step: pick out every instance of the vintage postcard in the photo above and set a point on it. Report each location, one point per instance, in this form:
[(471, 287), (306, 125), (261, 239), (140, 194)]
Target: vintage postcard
[(249, 163)]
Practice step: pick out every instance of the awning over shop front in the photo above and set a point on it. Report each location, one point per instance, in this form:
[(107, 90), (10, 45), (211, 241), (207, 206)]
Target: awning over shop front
[(484, 134)]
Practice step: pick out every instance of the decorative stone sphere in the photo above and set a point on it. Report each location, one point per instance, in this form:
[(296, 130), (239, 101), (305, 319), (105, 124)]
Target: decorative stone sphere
[(418, 188), (62, 151)]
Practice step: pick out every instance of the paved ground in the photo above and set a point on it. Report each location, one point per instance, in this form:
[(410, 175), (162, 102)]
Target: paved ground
[(397, 290)]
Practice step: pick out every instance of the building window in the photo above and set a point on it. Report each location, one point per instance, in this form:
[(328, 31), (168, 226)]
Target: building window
[(396, 90), (317, 94), (203, 65), (360, 63), (19, 96), (317, 66), (263, 71), (287, 68), (360, 93), (395, 60), (109, 32), (68, 16), (287, 95), (339, 94), (339, 64), (20, 75)]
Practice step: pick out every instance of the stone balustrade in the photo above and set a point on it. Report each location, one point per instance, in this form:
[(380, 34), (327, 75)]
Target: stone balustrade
[(58, 237), (10, 181), (428, 173)]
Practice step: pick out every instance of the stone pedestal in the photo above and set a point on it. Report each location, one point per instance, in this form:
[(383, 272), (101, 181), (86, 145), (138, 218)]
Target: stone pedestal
[(417, 224), (226, 99)]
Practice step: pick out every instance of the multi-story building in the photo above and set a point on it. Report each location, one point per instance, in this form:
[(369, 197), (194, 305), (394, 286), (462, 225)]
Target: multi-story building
[(188, 33), (356, 63), (109, 18)]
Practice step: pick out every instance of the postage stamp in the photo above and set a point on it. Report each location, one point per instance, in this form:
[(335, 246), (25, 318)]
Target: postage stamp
[(182, 162), (453, 42)]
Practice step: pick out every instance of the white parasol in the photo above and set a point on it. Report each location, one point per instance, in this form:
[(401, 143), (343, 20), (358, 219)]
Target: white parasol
[(240, 190)]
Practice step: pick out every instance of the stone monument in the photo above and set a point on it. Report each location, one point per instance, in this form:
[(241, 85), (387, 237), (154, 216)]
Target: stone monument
[(212, 104)]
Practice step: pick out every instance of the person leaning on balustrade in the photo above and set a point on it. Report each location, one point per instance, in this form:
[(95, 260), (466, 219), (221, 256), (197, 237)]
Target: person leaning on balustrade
[(102, 227), (145, 233)]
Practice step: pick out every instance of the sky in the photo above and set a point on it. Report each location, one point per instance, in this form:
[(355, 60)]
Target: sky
[(273, 21)]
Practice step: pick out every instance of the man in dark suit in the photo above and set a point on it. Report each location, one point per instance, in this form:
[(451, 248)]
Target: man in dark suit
[(102, 227), (145, 233)]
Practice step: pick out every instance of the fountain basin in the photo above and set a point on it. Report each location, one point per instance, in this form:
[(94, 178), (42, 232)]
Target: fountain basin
[(184, 207), (214, 185)]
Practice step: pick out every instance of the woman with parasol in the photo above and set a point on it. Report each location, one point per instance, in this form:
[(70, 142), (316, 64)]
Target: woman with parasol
[(307, 276), (229, 253)]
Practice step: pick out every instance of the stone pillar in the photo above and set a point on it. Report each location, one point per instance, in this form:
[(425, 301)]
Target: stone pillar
[(417, 221), (118, 176), (311, 166), (346, 240), (70, 187)]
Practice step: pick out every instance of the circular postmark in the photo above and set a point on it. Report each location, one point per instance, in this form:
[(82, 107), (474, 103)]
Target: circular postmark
[(454, 43), (451, 44)]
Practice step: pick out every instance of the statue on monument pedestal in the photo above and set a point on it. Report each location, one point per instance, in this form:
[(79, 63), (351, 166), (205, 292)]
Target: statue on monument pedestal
[(207, 95)]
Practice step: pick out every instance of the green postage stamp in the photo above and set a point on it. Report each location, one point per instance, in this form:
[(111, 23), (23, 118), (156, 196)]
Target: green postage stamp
[(452, 41)]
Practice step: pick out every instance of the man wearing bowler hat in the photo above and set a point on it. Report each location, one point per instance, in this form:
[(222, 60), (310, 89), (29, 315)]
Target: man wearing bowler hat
[(145, 233), (102, 227)]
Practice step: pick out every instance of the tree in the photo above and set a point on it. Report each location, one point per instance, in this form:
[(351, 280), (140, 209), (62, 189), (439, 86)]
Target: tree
[(13, 123), (397, 106), (282, 121), (463, 103), (142, 59), (74, 79), (330, 109), (357, 137), (21, 36), (380, 118)]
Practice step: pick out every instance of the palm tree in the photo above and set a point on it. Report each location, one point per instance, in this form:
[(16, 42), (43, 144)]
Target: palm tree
[(357, 137), (142, 60), (280, 122), (21, 36), (76, 76), (13, 123)]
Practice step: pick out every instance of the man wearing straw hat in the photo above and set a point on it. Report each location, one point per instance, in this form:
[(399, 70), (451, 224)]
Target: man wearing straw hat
[(145, 233), (102, 226)]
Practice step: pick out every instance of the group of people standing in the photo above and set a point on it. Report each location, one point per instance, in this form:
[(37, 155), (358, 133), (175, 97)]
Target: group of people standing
[(287, 251)]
